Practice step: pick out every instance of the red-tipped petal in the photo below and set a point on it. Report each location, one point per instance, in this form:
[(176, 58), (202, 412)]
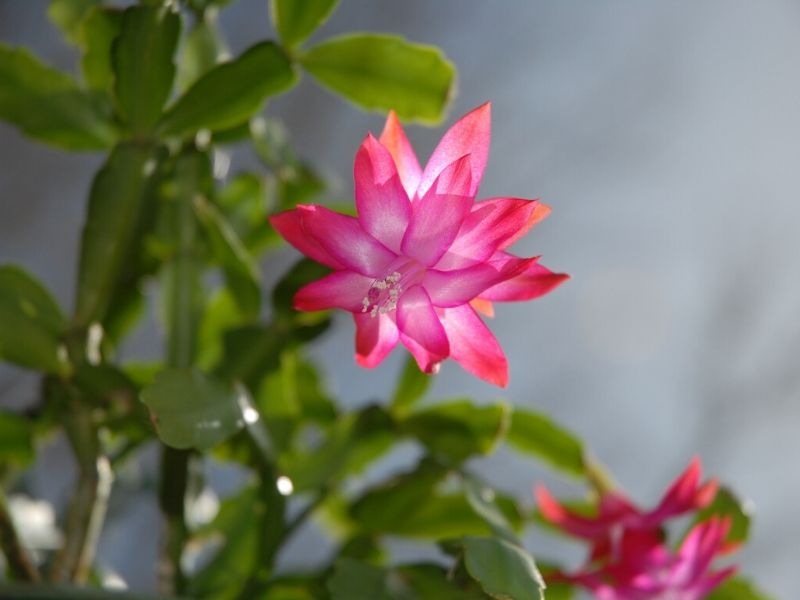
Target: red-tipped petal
[(382, 203), (491, 225), (342, 237), (436, 218), (341, 289), (473, 346), (395, 140), (484, 307), (535, 281), (376, 337), (421, 330), (453, 288), (471, 134), (289, 225)]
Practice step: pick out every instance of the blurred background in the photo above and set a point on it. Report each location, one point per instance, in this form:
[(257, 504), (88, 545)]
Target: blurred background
[(664, 135)]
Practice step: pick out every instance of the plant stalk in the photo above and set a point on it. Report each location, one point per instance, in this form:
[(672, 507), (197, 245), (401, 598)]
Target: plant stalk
[(20, 565)]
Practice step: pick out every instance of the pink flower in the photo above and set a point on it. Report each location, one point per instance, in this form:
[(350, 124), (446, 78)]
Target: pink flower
[(422, 254), (651, 571), (617, 514)]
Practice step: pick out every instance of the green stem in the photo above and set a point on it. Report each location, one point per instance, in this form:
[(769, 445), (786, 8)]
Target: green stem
[(87, 509), (19, 562), (181, 285)]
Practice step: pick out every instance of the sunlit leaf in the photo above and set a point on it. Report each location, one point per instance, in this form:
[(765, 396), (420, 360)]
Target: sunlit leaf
[(240, 269), (16, 439), (384, 72), (295, 21), (68, 15), (738, 588), (231, 92), (459, 429), (47, 105), (97, 34), (411, 387), (143, 64), (200, 53), (504, 570), (192, 410), (31, 323), (535, 433)]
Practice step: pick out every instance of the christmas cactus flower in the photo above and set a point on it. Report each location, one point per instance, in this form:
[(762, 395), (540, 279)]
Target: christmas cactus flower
[(422, 255), (652, 571)]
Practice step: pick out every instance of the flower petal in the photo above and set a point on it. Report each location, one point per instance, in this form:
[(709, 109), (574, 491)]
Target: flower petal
[(342, 237), (473, 346), (685, 494), (436, 218), (289, 225), (590, 528), (376, 337), (536, 280), (491, 225), (382, 203), (469, 135), (460, 286), (341, 289), (421, 330), (396, 142)]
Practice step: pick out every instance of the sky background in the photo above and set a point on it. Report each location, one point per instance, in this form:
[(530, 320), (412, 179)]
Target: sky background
[(664, 135)]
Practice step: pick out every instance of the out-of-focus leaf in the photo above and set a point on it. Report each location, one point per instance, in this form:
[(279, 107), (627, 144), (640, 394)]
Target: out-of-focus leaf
[(411, 388), (31, 323), (504, 570), (350, 445), (534, 433), (411, 505), (201, 51), (97, 34), (303, 272), (115, 201), (231, 92), (16, 439), (68, 15), (239, 523), (249, 353), (240, 269), (47, 105), (48, 592), (221, 313), (295, 21), (384, 72), (726, 504), (737, 588), (482, 501), (104, 383), (457, 430), (143, 66), (192, 410), (356, 580), (243, 201)]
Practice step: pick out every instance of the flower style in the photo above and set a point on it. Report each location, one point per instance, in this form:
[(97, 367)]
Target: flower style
[(422, 255)]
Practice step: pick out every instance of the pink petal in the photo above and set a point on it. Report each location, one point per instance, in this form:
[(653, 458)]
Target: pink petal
[(469, 135), (436, 218), (420, 329), (683, 495), (453, 288), (341, 289), (288, 224), (342, 237), (536, 280), (590, 528), (473, 346), (376, 337), (382, 203), (395, 140), (491, 225)]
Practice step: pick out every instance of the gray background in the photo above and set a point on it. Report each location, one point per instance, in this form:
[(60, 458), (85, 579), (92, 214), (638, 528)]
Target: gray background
[(665, 136)]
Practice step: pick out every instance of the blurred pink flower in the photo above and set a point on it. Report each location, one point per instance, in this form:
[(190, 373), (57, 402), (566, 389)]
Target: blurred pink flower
[(422, 254), (617, 514), (651, 571)]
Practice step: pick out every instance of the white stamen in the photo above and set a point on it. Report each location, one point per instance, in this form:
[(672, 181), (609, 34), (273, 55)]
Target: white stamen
[(374, 298)]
